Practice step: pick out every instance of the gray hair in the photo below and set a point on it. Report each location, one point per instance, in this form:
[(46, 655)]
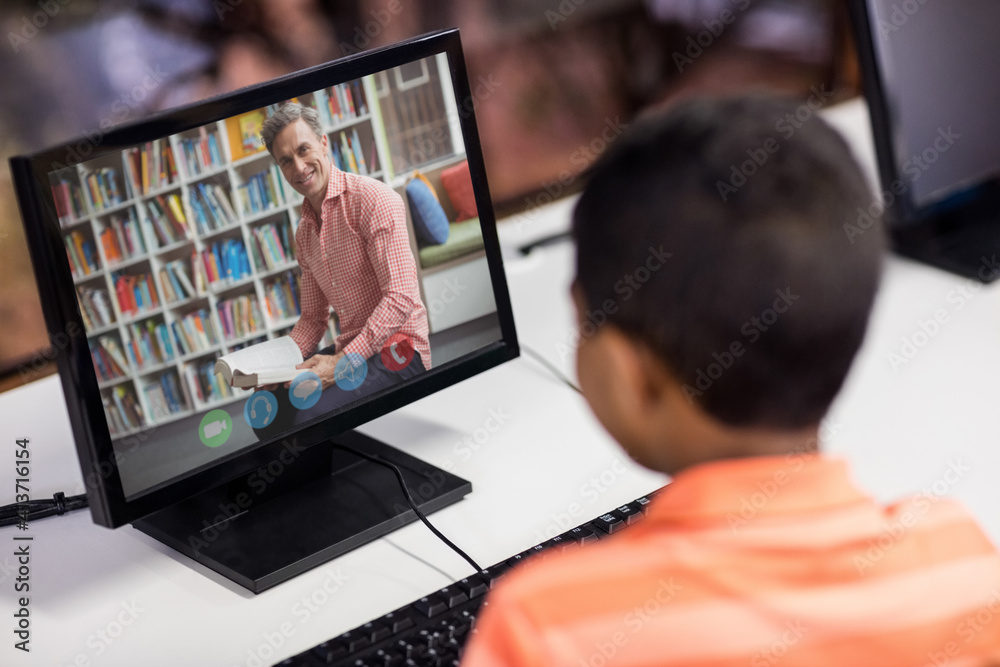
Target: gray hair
[(285, 116)]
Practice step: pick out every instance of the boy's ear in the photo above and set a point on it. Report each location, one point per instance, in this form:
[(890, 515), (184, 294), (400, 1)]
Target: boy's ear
[(632, 381), (642, 377)]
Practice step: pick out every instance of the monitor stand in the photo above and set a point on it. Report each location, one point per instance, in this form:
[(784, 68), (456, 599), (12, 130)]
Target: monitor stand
[(965, 241), (259, 533)]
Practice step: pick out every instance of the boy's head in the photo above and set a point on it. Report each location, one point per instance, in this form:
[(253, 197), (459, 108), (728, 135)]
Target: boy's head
[(725, 300)]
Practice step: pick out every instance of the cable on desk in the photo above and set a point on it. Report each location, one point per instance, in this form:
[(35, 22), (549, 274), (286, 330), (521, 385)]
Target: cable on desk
[(552, 239), (552, 369), (39, 509), (409, 499)]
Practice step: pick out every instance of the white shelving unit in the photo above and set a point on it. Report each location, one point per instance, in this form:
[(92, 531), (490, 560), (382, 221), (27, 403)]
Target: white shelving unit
[(228, 171)]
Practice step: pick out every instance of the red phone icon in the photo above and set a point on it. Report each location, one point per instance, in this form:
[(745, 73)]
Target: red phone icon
[(397, 353)]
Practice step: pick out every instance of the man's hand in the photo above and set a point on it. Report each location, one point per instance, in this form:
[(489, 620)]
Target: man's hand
[(322, 365)]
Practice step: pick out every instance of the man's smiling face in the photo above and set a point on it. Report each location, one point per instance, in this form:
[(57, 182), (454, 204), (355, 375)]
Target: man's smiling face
[(302, 158)]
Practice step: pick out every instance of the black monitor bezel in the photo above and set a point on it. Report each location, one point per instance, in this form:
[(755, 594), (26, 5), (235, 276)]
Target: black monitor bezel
[(904, 214), (105, 493)]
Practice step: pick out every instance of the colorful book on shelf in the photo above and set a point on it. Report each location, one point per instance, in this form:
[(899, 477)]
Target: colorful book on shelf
[(226, 261), (108, 359), (194, 332), (68, 201), (271, 246), (200, 154), (281, 297), (95, 307), (322, 103), (348, 154), (122, 239), (177, 286), (164, 396), (240, 316), (149, 168), (261, 191), (359, 155), (126, 408), (149, 343), (80, 250), (171, 207), (135, 293), (110, 344), (211, 207), (205, 384), (102, 186), (269, 362), (250, 126)]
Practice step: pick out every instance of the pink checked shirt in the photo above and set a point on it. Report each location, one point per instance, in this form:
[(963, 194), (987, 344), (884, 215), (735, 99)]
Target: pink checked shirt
[(359, 262)]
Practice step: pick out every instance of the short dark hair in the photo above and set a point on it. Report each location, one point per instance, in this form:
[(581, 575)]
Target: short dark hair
[(752, 210), (285, 115)]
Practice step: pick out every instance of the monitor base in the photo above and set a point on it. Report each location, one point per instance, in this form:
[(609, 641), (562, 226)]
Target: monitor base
[(295, 514), (966, 242)]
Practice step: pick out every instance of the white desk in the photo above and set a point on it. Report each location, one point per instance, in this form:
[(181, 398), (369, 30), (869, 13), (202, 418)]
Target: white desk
[(903, 431)]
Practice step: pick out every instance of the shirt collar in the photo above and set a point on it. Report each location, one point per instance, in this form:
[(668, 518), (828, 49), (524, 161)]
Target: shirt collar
[(769, 485), (335, 186)]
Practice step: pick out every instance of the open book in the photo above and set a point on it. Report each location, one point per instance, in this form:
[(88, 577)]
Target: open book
[(269, 362)]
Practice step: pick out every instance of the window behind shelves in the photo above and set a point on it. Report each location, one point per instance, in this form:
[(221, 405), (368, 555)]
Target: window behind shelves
[(413, 110)]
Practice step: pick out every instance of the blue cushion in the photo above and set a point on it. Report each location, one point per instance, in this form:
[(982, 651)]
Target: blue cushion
[(429, 219)]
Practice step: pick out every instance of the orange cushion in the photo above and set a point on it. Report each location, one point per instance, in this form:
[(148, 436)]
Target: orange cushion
[(458, 184)]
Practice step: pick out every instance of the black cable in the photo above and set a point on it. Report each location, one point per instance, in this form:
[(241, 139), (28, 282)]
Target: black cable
[(409, 499), (551, 239), (39, 509), (555, 371)]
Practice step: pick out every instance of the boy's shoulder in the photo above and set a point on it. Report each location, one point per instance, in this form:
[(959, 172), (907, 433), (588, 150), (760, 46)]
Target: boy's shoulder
[(858, 571)]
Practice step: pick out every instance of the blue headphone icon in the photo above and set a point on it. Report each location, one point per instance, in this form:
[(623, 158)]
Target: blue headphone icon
[(253, 407)]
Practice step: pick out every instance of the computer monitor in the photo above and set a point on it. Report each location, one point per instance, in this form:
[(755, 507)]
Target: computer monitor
[(163, 245), (932, 79)]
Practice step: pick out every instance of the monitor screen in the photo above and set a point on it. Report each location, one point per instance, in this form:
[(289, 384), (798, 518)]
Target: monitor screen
[(177, 251), (939, 69)]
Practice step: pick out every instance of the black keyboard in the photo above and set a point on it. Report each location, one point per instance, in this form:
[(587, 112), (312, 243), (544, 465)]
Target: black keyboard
[(433, 630)]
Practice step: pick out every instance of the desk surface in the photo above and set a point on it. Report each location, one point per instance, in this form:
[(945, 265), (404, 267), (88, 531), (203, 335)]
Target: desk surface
[(102, 597)]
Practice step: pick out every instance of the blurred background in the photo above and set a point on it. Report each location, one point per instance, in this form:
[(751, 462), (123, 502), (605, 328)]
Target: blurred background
[(549, 76)]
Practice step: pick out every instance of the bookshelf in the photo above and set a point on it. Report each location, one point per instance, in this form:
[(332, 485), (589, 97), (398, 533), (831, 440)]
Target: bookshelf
[(182, 250)]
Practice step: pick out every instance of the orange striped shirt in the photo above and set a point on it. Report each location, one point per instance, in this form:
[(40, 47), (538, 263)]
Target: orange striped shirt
[(758, 562)]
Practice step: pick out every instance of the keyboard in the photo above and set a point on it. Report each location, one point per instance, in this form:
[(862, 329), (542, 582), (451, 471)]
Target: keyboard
[(433, 630)]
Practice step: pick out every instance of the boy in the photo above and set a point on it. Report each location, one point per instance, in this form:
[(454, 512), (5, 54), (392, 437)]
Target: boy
[(717, 371)]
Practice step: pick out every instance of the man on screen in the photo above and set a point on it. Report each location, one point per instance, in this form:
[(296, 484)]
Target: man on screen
[(354, 252)]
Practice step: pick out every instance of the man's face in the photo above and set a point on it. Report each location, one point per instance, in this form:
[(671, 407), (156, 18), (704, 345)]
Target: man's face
[(302, 158)]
